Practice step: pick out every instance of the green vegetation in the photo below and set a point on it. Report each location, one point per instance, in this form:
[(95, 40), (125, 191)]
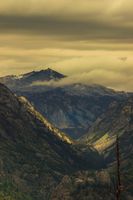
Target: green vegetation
[(9, 191)]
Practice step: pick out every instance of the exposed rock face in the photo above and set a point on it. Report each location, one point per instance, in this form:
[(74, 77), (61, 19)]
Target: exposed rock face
[(117, 120), (73, 108), (34, 155)]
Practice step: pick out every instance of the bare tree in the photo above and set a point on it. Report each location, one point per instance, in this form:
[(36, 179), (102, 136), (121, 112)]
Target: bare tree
[(118, 183)]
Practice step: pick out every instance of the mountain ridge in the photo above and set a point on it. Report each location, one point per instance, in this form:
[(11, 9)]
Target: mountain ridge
[(33, 154), (23, 80), (71, 108)]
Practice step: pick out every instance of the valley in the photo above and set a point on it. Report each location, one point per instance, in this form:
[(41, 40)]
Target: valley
[(60, 142)]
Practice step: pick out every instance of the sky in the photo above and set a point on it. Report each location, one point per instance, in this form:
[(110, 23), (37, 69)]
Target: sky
[(89, 40)]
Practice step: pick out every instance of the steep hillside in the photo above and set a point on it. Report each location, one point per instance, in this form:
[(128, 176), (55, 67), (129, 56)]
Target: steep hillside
[(73, 108), (118, 120), (33, 154)]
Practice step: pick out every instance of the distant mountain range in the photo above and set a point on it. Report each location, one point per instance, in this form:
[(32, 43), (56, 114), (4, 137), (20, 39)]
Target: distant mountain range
[(25, 80), (72, 108)]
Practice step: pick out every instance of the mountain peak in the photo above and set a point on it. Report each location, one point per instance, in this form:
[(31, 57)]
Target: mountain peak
[(43, 75), (31, 77), (49, 69)]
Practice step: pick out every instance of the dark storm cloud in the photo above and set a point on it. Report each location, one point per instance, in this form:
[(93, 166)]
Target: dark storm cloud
[(63, 28)]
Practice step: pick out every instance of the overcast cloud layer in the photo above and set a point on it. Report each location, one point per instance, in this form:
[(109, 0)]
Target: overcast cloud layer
[(91, 40)]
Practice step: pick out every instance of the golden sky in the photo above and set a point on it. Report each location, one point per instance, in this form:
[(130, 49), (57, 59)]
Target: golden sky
[(91, 40)]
